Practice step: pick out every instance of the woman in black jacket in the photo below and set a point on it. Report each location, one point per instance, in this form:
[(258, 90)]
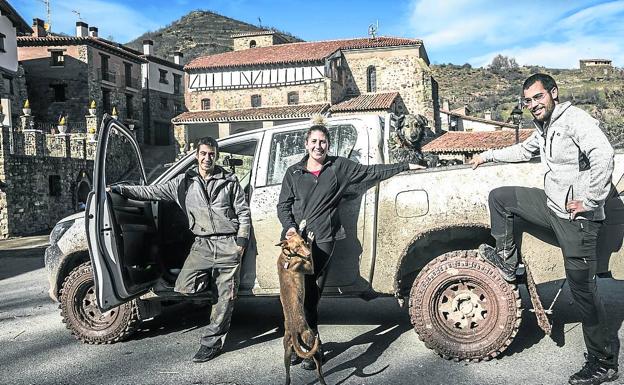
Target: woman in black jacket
[(311, 191)]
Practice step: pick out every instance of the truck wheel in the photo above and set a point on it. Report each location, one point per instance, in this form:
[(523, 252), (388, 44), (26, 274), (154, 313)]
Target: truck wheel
[(462, 308), (84, 318)]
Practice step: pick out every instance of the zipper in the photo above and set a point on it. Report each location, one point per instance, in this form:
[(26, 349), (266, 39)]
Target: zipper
[(551, 141)]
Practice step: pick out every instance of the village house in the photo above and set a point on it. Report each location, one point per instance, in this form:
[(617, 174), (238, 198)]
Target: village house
[(65, 74), (267, 81), (459, 119), (12, 85), (597, 68)]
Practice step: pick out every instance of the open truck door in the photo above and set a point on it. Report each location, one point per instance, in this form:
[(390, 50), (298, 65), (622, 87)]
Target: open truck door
[(120, 232)]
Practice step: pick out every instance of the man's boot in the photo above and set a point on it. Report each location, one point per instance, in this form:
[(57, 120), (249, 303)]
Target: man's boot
[(593, 373), (309, 364), (496, 259)]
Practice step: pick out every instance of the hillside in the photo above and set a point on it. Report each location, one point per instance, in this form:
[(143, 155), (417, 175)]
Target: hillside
[(482, 89), (197, 34)]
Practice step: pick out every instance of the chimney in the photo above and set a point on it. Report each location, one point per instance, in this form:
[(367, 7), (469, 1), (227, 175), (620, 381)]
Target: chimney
[(81, 29), (93, 31), (487, 115), (148, 47), (177, 57), (38, 28), (445, 105)]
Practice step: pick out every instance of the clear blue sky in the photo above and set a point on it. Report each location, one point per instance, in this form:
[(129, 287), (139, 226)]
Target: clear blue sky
[(552, 33)]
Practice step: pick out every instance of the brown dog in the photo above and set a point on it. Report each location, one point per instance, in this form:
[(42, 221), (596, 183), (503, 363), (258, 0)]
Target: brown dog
[(294, 261)]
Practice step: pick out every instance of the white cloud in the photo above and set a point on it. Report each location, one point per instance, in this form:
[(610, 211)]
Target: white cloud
[(555, 33)]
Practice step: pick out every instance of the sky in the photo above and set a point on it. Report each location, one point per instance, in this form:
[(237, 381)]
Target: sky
[(550, 33)]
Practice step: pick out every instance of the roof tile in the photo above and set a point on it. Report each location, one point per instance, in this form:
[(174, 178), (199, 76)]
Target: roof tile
[(292, 52), (366, 102), (461, 141), (247, 114)]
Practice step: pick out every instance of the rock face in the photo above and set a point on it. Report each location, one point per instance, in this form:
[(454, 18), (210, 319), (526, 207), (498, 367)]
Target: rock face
[(197, 34)]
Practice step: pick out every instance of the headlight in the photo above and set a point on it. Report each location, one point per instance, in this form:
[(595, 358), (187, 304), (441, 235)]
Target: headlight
[(58, 231)]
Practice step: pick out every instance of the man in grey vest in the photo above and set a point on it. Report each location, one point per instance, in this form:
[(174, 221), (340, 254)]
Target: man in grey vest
[(578, 163), (219, 216)]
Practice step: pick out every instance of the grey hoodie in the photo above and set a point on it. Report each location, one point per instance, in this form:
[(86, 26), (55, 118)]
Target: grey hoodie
[(577, 159), (219, 209)]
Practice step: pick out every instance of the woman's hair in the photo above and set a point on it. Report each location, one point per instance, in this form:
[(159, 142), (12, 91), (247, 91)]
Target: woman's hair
[(318, 127)]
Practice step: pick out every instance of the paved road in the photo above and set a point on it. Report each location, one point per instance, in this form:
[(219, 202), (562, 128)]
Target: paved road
[(366, 342)]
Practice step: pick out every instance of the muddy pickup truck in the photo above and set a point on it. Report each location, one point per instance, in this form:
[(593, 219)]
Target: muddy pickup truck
[(412, 236)]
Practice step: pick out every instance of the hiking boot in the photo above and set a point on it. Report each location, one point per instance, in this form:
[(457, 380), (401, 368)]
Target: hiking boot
[(206, 353), (295, 359), (494, 258), (593, 373)]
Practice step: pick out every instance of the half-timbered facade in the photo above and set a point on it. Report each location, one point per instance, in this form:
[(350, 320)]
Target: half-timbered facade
[(283, 77)]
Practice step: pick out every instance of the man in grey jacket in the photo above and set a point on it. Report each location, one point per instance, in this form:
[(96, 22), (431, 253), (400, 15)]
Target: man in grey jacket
[(219, 217), (578, 162)]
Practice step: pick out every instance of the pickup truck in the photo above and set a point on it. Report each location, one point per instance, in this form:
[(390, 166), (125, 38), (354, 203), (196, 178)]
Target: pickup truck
[(412, 236)]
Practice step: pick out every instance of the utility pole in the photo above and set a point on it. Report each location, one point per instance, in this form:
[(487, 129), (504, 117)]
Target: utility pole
[(48, 23)]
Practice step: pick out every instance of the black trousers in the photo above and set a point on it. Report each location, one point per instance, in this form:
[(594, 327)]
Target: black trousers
[(578, 241), (315, 283)]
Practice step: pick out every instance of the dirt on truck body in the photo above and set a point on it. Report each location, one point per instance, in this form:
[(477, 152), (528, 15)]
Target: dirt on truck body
[(412, 236)]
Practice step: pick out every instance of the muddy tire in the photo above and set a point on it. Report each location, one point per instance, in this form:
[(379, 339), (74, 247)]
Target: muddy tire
[(462, 308), (84, 318)]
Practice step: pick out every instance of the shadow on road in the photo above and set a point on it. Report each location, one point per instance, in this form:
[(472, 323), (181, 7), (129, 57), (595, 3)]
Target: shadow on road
[(14, 262)]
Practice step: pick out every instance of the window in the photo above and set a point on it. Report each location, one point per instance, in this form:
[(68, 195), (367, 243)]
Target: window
[(256, 100), (244, 151), (371, 79), (177, 81), (8, 84), (129, 106), (252, 44), (163, 103), (54, 183), (2, 36), (106, 101), (163, 76), (287, 148), (177, 108), (58, 59), (106, 74), (59, 92), (205, 104), (293, 97), (128, 75)]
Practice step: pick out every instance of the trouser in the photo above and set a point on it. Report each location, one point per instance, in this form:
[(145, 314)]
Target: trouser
[(578, 241), (315, 283), (213, 264)]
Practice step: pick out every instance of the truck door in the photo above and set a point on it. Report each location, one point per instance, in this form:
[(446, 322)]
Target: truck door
[(120, 231)]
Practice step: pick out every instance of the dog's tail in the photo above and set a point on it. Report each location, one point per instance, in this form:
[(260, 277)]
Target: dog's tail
[(296, 344)]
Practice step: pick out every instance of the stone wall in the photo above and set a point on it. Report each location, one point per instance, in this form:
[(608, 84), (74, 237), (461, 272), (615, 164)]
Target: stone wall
[(242, 42), (40, 176), (399, 70), (271, 96)]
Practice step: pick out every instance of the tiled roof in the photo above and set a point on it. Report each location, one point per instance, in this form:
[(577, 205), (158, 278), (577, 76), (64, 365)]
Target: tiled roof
[(30, 41), (252, 33), (461, 141), (303, 52), (366, 102), (476, 119), (247, 114)]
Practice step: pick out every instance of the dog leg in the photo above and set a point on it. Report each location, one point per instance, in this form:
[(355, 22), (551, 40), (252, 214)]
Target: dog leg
[(319, 371), (287, 352)]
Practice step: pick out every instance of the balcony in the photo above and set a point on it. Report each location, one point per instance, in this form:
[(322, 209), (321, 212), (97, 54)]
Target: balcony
[(107, 76), (133, 83)]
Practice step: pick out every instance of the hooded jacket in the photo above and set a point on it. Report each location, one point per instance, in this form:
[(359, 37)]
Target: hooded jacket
[(215, 206), (316, 199), (576, 156)]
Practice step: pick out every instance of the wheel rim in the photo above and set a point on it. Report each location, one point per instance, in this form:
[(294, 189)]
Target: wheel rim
[(464, 309), (87, 311)]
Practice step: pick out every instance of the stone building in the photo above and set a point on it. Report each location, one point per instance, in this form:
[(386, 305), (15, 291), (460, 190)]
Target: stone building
[(12, 85), (163, 94), (597, 68), (64, 74), (267, 82)]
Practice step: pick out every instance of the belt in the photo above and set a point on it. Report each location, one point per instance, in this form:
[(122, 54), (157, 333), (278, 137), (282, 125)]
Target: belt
[(215, 236)]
